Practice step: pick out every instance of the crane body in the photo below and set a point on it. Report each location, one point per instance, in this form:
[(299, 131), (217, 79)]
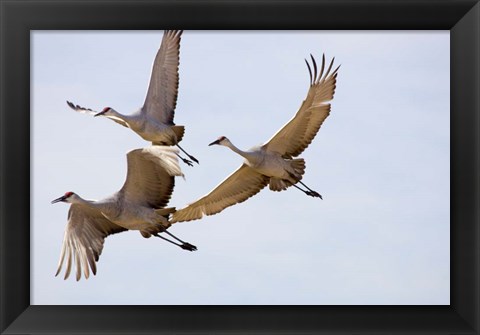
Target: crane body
[(138, 205), (275, 163), (154, 120), (269, 163)]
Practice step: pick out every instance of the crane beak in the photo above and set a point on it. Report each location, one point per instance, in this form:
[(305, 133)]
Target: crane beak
[(99, 114), (62, 198), (214, 142)]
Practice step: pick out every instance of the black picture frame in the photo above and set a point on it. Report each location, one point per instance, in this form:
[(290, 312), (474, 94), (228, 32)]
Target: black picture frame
[(18, 18)]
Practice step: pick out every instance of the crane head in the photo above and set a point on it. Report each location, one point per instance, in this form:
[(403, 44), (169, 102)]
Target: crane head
[(64, 198), (220, 141), (104, 111)]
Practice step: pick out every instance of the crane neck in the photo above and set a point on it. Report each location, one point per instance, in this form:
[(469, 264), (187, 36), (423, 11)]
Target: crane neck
[(245, 154), (88, 203), (120, 116)]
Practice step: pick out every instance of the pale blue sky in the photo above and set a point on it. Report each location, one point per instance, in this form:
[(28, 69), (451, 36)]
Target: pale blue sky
[(381, 161)]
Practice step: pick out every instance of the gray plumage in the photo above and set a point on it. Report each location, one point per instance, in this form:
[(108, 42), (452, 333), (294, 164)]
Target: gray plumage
[(138, 205), (154, 120), (273, 163)]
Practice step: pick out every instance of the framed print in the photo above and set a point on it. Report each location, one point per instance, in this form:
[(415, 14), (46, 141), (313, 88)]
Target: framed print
[(440, 290)]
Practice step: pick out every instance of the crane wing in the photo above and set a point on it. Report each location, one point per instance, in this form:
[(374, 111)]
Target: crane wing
[(298, 133), (162, 92), (83, 240), (244, 183), (84, 110), (150, 176), (81, 109)]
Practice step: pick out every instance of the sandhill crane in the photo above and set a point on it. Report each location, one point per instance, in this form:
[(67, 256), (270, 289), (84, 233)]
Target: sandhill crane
[(273, 162), (138, 205), (154, 121)]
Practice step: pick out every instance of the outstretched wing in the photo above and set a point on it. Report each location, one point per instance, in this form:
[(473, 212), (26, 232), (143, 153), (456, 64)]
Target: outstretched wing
[(81, 109), (150, 176), (238, 187), (298, 133), (83, 240), (162, 92)]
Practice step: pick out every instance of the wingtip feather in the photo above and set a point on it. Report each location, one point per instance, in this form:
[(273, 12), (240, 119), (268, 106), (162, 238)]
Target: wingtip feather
[(309, 72)]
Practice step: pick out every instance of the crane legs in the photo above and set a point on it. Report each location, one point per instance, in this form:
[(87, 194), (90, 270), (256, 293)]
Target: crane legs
[(186, 161), (310, 192), (184, 245)]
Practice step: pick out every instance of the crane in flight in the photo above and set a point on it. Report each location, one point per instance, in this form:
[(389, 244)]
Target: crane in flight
[(273, 163), (138, 205), (154, 120)]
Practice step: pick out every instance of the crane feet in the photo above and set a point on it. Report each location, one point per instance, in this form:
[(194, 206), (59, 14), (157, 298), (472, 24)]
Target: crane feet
[(184, 245), (193, 159), (186, 161), (189, 156), (314, 194), (188, 246), (310, 192)]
